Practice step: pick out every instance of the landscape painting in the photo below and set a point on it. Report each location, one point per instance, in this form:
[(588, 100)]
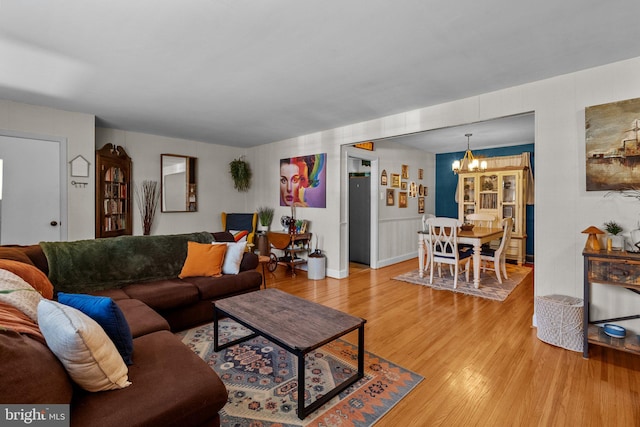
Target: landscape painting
[(613, 146)]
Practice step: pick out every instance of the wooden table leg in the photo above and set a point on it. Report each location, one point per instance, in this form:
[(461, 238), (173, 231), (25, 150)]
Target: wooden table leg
[(264, 260), (421, 254), (477, 247)]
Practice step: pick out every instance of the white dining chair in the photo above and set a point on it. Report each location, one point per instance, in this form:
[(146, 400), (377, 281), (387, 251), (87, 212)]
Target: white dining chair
[(427, 243), (444, 249), (425, 217), (482, 219), (498, 256)]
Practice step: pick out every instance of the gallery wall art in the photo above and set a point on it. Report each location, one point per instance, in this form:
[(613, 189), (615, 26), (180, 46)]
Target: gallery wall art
[(406, 189), (391, 197), (395, 180), (402, 199)]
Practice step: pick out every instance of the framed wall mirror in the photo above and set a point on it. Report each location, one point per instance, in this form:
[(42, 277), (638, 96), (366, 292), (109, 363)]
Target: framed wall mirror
[(179, 183)]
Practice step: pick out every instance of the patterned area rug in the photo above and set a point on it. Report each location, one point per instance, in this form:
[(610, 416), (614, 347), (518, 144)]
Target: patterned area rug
[(261, 381), (489, 286)]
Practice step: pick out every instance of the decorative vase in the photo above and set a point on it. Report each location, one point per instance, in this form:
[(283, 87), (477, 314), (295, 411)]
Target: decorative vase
[(617, 242), (263, 228)]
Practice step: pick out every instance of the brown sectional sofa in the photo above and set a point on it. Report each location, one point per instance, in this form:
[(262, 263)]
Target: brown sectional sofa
[(171, 385)]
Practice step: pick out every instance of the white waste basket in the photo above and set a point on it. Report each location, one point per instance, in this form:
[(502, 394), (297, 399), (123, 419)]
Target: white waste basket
[(560, 321), (316, 266)]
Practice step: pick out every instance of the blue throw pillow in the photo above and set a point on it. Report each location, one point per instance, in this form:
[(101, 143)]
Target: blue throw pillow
[(108, 315)]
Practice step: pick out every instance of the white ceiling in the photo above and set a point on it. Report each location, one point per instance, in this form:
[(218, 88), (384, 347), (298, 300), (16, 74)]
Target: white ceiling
[(500, 132), (245, 73)]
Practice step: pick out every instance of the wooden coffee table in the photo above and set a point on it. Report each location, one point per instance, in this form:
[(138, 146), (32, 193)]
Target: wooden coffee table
[(295, 324)]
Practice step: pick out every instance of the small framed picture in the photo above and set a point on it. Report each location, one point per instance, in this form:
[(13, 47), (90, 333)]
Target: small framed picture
[(391, 197), (402, 199), (420, 173), (383, 178), (405, 171), (395, 180), (404, 185), (420, 205), (420, 190), (413, 189)]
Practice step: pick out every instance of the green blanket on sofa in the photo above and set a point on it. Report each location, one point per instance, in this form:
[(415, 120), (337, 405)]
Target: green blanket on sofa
[(90, 265)]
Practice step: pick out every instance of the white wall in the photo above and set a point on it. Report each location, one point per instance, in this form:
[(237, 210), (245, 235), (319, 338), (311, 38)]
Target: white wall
[(329, 224), (265, 190), (397, 226), (78, 130), (215, 187), (563, 207)]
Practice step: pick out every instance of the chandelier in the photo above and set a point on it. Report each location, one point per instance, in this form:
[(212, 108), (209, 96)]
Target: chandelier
[(468, 162)]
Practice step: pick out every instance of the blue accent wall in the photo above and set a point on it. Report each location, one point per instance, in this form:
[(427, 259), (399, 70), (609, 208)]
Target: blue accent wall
[(446, 182)]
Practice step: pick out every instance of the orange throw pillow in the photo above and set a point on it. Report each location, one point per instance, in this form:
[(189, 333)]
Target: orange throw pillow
[(30, 274), (203, 259)]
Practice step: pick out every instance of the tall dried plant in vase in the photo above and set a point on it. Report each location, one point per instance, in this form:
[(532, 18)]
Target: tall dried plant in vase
[(147, 198)]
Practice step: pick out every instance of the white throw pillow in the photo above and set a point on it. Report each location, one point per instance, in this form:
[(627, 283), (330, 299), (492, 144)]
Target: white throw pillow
[(19, 294), (79, 342), (233, 257)]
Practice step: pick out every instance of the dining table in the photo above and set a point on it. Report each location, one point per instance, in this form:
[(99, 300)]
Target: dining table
[(476, 237)]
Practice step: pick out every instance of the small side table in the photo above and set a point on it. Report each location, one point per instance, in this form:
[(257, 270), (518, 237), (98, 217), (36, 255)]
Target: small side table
[(264, 260), (291, 245), (263, 243)]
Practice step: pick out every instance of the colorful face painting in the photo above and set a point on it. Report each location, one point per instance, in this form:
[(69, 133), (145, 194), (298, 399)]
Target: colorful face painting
[(303, 181)]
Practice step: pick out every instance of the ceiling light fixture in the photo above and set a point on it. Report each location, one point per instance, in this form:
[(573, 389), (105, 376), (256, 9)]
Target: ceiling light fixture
[(468, 162)]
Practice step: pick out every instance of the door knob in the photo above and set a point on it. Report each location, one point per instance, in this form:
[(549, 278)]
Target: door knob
[(53, 223)]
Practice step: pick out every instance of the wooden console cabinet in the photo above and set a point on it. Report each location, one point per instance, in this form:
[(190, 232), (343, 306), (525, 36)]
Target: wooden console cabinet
[(501, 193), (610, 268), (113, 192)]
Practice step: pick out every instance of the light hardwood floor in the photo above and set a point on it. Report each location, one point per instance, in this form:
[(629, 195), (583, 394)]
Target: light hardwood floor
[(481, 360)]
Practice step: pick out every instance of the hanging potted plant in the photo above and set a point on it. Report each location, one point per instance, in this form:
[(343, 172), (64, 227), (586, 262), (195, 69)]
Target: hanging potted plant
[(265, 216), (240, 173)]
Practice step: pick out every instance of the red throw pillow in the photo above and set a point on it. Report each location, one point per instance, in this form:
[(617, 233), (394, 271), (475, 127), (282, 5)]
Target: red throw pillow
[(239, 236)]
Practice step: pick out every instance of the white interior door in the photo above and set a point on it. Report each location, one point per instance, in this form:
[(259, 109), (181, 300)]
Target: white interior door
[(30, 204)]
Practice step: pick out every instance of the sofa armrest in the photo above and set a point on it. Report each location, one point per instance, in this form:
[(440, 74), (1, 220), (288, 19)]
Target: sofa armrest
[(249, 261)]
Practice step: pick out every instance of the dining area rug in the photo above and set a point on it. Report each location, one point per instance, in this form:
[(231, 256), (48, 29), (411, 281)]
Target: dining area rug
[(489, 288), (261, 380)]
